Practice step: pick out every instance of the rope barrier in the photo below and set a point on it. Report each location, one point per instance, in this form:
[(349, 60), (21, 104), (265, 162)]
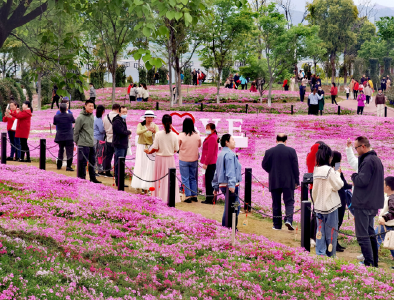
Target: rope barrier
[(144, 179)]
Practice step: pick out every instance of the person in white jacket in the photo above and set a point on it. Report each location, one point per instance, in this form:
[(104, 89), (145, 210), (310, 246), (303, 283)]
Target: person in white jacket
[(139, 93), (145, 93), (351, 158), (326, 184)]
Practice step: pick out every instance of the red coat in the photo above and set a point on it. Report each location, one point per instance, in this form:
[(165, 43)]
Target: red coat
[(311, 159), (210, 150), (284, 83), (24, 121), (10, 122), (128, 89), (355, 86)]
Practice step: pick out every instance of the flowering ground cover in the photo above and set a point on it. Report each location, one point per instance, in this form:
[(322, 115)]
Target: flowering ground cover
[(67, 238)]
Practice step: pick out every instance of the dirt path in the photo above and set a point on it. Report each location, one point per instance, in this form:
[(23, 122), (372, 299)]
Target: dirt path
[(256, 224), (369, 108)]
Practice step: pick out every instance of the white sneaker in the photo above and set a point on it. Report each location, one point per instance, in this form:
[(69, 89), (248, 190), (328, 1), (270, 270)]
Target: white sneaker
[(313, 243), (360, 257), (276, 228)]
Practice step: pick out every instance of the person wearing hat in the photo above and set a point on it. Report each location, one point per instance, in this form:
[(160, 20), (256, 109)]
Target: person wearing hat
[(144, 165)]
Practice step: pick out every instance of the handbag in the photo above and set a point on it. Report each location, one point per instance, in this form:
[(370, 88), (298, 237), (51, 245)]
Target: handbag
[(13, 128), (388, 242), (308, 178)]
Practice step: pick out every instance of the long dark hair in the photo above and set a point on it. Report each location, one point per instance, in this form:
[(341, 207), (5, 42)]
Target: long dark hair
[(167, 121), (323, 155), (212, 126), (188, 126), (99, 111), (225, 138), (336, 158), (28, 103), (144, 86)]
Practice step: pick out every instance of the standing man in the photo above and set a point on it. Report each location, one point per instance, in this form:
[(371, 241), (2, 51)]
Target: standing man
[(363, 79), (380, 101), (194, 76), (92, 93), (313, 102), (302, 91), (120, 138), (64, 135), (109, 147), (368, 198), (83, 137), (157, 77), (281, 163), (383, 84)]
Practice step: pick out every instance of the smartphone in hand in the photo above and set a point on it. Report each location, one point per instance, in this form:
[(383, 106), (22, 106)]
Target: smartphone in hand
[(337, 166)]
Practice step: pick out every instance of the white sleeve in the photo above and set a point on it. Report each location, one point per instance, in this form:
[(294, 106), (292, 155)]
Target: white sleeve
[(352, 159), (385, 207)]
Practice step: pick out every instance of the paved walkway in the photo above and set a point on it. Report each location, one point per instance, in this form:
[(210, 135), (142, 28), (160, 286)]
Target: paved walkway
[(371, 108)]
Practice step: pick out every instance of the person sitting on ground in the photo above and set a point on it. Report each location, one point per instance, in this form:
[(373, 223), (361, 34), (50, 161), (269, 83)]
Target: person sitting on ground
[(386, 216), (64, 136)]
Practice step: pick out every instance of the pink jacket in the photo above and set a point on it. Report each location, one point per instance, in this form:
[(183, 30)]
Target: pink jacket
[(361, 98)]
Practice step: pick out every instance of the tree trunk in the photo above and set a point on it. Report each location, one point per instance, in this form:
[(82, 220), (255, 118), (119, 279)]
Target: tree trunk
[(178, 79), (114, 63), (332, 60), (39, 91), (218, 86), (269, 92), (169, 72)]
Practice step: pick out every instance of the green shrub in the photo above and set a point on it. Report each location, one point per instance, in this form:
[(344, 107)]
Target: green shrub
[(120, 76)]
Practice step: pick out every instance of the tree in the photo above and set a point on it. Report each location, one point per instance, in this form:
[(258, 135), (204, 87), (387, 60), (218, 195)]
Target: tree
[(386, 32), (222, 31), (335, 18)]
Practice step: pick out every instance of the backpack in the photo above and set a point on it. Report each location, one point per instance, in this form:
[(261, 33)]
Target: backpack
[(349, 196)]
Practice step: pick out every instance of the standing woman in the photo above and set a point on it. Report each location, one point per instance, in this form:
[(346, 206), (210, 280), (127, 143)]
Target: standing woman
[(133, 92), (139, 93), (334, 93), (165, 145), (23, 128), (208, 159), (368, 92), (189, 142), (144, 166), (11, 128), (145, 93), (360, 103), (292, 83), (326, 184), (55, 97), (351, 86), (92, 94), (99, 139), (355, 89), (228, 174)]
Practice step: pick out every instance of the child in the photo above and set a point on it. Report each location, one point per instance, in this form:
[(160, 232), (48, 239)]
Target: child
[(386, 216), (347, 90), (361, 103)]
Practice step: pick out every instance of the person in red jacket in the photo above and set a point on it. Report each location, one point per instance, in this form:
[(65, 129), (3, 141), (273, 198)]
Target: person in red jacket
[(208, 159), (285, 85), (355, 89), (334, 93), (15, 142), (23, 128)]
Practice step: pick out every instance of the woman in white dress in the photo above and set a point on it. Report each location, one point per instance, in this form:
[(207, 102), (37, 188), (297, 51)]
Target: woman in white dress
[(144, 165)]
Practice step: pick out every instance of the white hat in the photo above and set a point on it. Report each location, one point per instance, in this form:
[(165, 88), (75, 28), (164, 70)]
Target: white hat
[(148, 114)]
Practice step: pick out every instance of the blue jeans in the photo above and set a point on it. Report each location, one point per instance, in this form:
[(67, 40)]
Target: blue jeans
[(233, 200), (188, 175), (381, 237), (17, 143), (325, 223), (119, 152)]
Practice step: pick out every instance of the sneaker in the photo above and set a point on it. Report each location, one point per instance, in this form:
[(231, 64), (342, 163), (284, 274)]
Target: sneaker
[(95, 181), (9, 158), (194, 199), (313, 243), (360, 257), (276, 228), (188, 200), (21, 160), (69, 169), (289, 226)]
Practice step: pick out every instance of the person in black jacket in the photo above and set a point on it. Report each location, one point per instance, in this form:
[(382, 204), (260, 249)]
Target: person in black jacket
[(281, 163), (64, 136), (368, 198), (120, 139), (336, 158)]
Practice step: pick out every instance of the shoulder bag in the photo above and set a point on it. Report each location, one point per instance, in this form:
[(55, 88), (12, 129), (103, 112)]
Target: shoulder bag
[(388, 242)]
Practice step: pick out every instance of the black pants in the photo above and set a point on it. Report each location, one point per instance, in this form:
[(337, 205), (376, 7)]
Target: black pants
[(364, 223), (333, 99), (347, 96), (288, 199), (109, 154), (69, 145), (286, 87), (341, 214), (85, 154), (94, 101), (244, 86), (24, 149), (209, 172), (355, 94), (313, 109), (302, 97), (55, 99), (367, 98), (145, 99), (132, 98), (360, 109)]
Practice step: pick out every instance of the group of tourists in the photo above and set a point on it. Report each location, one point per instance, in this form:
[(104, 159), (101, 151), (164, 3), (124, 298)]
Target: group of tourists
[(331, 194), (233, 82), (198, 77), (139, 93)]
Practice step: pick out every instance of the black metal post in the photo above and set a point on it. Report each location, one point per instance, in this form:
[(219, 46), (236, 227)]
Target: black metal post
[(43, 151), (202, 106), (78, 162), (229, 210), (306, 225), (304, 191), (121, 171), (246, 108), (385, 111), (292, 109), (339, 110), (248, 189), (171, 187), (157, 105), (4, 148)]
